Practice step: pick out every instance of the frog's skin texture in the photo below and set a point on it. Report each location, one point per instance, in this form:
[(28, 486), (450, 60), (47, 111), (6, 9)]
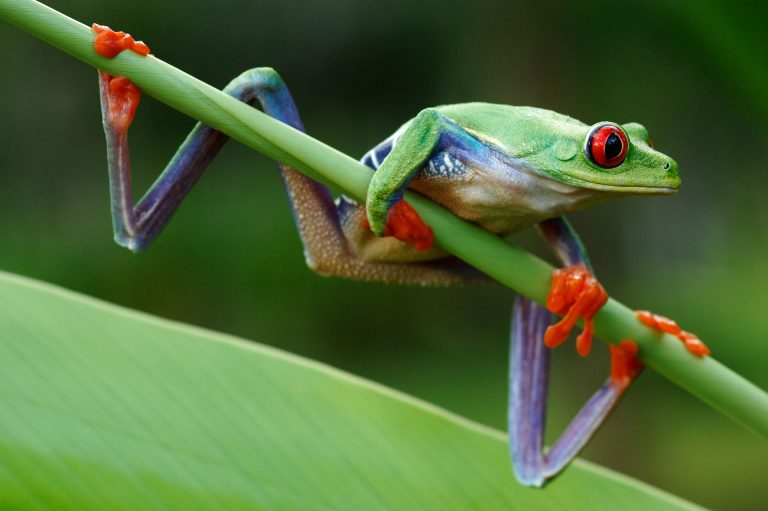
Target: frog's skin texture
[(502, 167)]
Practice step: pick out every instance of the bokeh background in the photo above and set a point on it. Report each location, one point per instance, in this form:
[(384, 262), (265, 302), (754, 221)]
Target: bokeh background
[(695, 73)]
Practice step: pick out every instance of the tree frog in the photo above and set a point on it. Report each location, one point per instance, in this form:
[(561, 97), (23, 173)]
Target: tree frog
[(502, 167)]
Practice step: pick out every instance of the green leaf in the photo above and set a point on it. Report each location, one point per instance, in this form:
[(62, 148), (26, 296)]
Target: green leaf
[(106, 408), (704, 377)]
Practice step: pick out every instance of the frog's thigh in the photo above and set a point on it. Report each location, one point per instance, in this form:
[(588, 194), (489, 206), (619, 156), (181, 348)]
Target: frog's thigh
[(354, 252)]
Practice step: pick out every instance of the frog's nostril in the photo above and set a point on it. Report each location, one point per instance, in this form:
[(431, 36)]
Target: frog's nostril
[(666, 166)]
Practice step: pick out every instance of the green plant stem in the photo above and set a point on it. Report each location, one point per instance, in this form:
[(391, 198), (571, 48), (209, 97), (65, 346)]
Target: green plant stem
[(705, 378)]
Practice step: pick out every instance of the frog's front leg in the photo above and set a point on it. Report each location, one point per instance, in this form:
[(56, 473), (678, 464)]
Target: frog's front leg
[(389, 215), (529, 366)]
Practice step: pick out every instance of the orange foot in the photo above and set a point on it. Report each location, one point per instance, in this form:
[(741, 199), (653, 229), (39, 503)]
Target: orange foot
[(405, 224), (122, 98), (121, 95), (574, 294), (109, 43), (692, 343), (624, 364)]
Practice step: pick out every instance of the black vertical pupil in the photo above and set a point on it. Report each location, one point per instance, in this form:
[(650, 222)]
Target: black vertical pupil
[(612, 146)]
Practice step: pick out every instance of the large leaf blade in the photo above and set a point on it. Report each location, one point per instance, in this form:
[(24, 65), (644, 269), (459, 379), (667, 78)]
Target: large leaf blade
[(105, 408)]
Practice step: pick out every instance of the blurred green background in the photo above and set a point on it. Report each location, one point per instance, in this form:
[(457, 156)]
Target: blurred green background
[(694, 73)]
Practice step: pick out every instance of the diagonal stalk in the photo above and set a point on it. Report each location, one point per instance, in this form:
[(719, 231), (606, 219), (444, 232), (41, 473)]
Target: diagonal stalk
[(706, 378)]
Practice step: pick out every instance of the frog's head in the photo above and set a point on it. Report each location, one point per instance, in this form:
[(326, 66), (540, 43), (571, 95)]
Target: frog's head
[(612, 158)]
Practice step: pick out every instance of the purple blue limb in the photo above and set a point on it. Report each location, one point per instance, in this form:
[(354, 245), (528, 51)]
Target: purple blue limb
[(136, 227), (528, 383), (564, 241), (529, 369)]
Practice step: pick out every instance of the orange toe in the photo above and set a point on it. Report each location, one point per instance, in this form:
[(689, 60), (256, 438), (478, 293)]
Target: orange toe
[(122, 98), (692, 343), (405, 224), (109, 43), (624, 363), (575, 294)]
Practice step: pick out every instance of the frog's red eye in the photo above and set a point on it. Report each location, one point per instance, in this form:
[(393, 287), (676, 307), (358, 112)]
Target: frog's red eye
[(607, 146)]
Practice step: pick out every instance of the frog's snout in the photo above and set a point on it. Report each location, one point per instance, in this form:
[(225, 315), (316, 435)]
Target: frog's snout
[(670, 176), (670, 166)]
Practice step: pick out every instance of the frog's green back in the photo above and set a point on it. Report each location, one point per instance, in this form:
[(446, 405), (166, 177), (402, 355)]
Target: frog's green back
[(504, 124)]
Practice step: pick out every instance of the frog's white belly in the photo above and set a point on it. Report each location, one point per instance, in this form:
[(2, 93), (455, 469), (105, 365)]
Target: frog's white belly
[(501, 196)]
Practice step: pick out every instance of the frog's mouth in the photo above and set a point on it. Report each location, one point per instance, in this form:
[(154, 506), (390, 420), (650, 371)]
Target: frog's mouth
[(625, 185), (638, 189)]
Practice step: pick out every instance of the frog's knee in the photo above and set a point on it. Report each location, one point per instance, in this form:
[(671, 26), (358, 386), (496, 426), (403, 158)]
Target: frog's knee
[(264, 78)]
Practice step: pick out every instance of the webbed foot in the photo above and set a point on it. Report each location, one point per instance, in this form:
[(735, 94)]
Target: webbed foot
[(120, 96), (575, 294), (405, 224), (109, 43), (692, 343), (624, 364)]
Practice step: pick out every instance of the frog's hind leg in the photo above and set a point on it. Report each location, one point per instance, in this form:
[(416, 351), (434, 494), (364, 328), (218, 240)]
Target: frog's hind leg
[(529, 367), (135, 227), (529, 377), (326, 247), (529, 380), (336, 243)]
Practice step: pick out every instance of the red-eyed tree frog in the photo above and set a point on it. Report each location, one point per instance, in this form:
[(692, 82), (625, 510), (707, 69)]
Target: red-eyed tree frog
[(502, 167)]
